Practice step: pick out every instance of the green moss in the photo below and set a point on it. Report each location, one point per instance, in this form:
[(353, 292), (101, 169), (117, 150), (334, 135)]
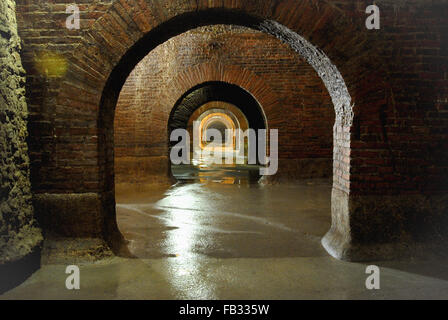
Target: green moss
[(19, 233)]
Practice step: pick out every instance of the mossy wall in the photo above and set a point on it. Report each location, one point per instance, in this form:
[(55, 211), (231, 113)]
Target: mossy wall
[(19, 234)]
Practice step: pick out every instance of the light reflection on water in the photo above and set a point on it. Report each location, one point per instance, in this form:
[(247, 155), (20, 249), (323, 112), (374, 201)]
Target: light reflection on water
[(217, 212), (186, 269), (184, 209), (202, 171)]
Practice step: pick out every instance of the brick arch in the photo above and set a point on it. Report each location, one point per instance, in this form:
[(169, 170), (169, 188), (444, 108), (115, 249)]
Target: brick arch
[(249, 89), (207, 92), (211, 72), (120, 38), (257, 92)]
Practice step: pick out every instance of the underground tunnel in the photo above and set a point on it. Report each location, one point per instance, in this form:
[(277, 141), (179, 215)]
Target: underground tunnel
[(355, 120)]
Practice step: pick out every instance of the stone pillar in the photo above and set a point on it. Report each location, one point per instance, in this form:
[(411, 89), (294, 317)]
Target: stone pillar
[(20, 238)]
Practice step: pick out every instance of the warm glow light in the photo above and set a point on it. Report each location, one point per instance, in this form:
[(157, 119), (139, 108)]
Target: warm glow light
[(226, 120), (221, 116), (50, 64)]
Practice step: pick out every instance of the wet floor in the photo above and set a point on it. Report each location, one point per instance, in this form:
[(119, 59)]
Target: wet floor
[(217, 234), (227, 221)]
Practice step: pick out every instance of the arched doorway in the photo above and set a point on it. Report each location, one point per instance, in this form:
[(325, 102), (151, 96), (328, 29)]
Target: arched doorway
[(212, 103), (323, 66), (115, 66)]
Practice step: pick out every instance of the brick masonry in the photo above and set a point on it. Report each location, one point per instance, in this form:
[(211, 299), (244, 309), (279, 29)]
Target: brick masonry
[(142, 113), (396, 78)]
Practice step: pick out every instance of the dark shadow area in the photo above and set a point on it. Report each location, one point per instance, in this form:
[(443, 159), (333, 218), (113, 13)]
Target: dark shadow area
[(14, 273)]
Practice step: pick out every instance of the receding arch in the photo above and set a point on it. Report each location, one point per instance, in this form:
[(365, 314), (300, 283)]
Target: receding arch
[(220, 121), (233, 112), (245, 105), (315, 57), (206, 92)]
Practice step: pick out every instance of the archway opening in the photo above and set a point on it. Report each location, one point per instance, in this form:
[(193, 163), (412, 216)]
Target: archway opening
[(327, 72), (219, 118)]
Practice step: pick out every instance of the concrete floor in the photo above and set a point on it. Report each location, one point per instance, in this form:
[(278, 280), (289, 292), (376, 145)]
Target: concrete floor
[(216, 235)]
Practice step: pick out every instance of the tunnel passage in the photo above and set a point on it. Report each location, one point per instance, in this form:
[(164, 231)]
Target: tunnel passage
[(113, 155), (235, 101), (179, 80), (229, 107), (216, 91), (216, 127), (371, 159), (233, 116), (282, 82), (317, 64), (219, 123), (211, 61)]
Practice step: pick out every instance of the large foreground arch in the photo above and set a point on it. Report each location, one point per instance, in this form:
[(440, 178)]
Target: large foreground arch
[(315, 57), (116, 56)]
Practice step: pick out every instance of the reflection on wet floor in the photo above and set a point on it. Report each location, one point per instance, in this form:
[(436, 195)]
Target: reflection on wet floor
[(203, 214), (221, 212), (205, 239), (201, 172)]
